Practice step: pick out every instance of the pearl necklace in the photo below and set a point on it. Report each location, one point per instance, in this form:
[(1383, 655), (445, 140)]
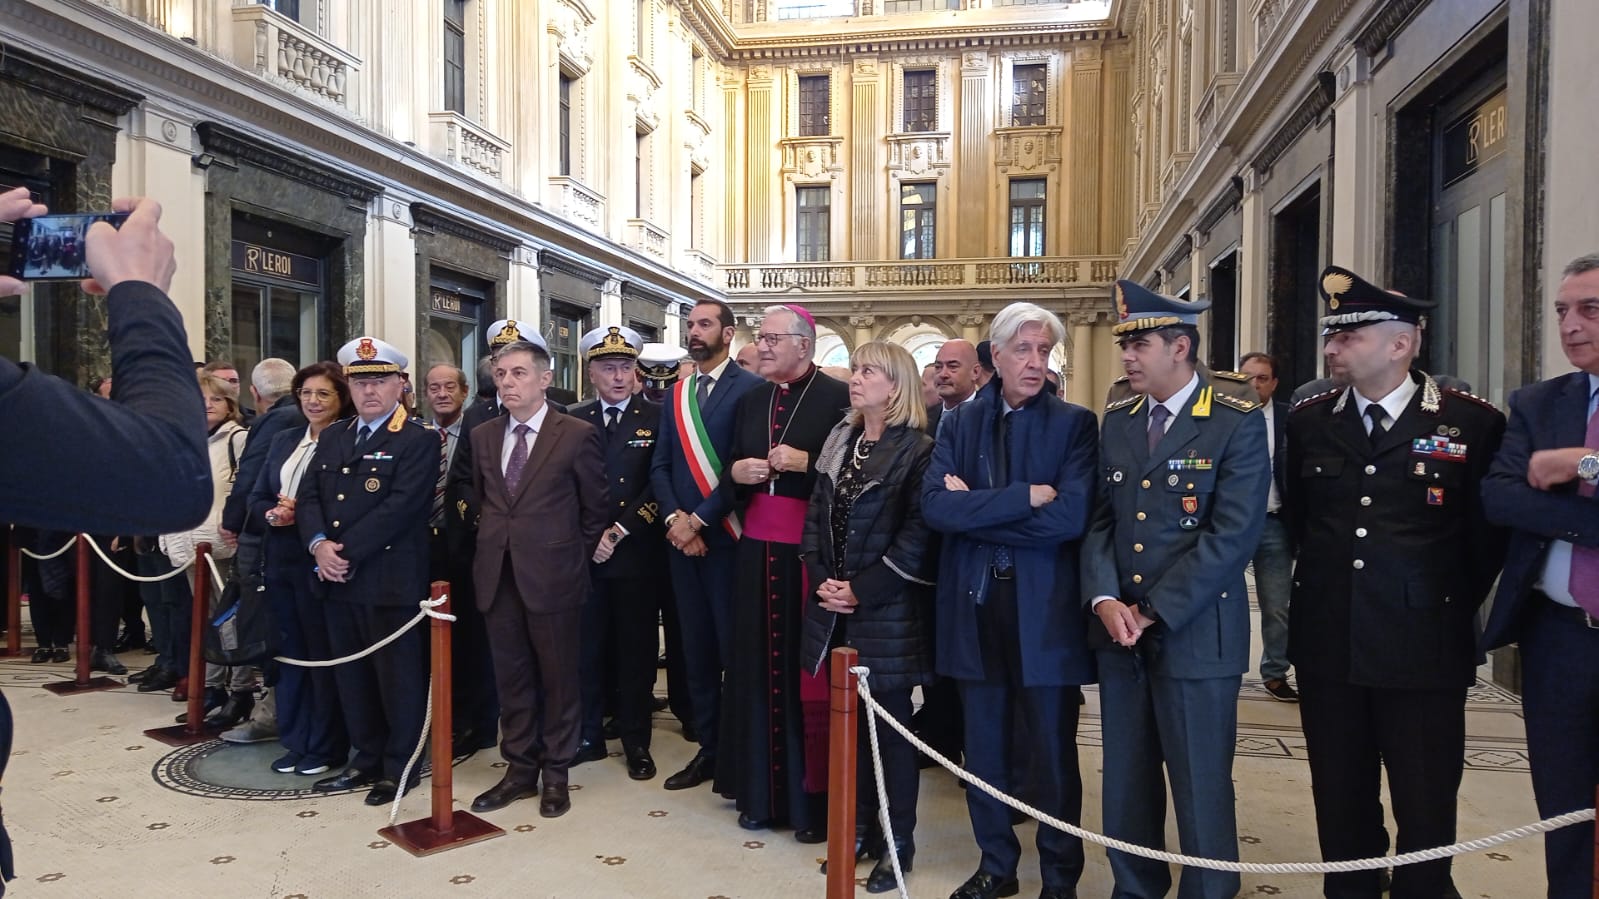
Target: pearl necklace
[(857, 458)]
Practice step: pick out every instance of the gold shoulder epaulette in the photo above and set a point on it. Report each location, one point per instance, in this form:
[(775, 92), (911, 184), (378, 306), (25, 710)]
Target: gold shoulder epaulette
[(1124, 402), (1232, 376), (1455, 391), (1121, 380), (1234, 402), (1316, 398)]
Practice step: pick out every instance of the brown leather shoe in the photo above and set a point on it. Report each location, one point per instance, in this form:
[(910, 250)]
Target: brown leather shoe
[(504, 793), (554, 802)]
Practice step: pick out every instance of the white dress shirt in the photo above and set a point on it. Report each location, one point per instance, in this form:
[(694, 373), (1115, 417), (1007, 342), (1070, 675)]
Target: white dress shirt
[(1393, 404), (1274, 501), (535, 423), (714, 376)]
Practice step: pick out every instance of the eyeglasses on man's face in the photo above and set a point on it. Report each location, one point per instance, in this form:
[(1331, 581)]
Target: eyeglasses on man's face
[(770, 340)]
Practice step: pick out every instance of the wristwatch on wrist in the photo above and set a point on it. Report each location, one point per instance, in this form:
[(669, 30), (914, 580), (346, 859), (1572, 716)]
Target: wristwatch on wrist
[(1588, 467)]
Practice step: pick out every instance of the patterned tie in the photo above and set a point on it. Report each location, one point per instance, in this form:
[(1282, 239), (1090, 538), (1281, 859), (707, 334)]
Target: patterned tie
[(1585, 559), (702, 389), (613, 416), (1157, 425), (513, 469), (1375, 413), (362, 435), (436, 519), (1004, 559)]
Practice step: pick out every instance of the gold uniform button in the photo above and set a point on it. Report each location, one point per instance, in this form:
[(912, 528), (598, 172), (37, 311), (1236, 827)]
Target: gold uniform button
[(622, 503), (1142, 516), (1138, 547), (1145, 485), (1370, 469), (1360, 532), (1138, 579), (335, 524), (621, 480), (1359, 564), (1365, 500), (340, 497), (345, 470), (1190, 486)]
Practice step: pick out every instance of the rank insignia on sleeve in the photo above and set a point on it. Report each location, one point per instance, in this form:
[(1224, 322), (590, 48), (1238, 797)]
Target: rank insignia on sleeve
[(1435, 496)]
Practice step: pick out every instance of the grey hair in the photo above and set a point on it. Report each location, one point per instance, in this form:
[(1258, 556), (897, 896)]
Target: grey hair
[(540, 354), (1008, 323), (1581, 265), (272, 378), (805, 328)]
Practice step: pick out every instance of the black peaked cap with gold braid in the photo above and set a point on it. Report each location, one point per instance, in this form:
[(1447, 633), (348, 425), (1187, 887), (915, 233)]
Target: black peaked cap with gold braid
[(1353, 302)]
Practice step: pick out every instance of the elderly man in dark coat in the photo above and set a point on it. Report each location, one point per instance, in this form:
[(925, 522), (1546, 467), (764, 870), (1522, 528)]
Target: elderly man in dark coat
[(1011, 488)]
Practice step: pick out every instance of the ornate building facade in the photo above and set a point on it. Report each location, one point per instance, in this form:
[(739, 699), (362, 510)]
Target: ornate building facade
[(416, 170)]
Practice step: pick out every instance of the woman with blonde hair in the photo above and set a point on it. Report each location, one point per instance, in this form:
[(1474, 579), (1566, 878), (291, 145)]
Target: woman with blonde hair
[(171, 622), (866, 553)]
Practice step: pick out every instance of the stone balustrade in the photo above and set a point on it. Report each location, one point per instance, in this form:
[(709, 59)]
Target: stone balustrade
[(953, 274)]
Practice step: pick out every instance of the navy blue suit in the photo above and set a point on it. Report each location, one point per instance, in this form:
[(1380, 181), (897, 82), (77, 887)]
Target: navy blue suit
[(1559, 650), (1173, 532), (702, 585), (309, 719), (1010, 624)]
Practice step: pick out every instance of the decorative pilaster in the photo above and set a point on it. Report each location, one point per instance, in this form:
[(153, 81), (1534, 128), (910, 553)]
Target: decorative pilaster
[(863, 327), (1117, 166), (610, 303), (1082, 228), (865, 201), (971, 327), (1079, 373), (759, 193), (972, 183), (522, 300)]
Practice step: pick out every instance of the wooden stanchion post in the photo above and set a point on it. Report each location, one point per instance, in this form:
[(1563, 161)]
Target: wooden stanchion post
[(82, 682), (841, 767), (445, 828), (192, 730), (13, 594)]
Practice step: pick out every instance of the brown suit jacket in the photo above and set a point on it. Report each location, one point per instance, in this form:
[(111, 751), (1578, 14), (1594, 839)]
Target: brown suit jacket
[(551, 525)]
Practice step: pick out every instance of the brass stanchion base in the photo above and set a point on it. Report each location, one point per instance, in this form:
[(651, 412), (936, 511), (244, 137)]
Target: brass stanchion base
[(420, 838), (178, 735), (69, 687)]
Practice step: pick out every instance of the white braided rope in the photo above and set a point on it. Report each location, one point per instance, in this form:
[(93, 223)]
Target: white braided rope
[(428, 607), (33, 555), (882, 791), (129, 575), (1333, 867), (216, 574), (427, 727)]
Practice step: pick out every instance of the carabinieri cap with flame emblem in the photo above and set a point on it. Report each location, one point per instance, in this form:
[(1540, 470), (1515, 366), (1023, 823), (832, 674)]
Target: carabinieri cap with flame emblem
[(1353, 302), (1140, 309)]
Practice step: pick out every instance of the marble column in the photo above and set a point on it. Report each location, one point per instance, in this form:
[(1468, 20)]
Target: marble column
[(1253, 276), (1353, 220), (522, 300), (391, 272), (158, 163), (610, 303)]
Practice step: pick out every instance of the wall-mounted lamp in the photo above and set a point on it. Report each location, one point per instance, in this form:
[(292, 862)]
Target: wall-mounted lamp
[(203, 160)]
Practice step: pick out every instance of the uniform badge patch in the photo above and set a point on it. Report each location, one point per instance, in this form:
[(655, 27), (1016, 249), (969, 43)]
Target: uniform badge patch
[(1191, 504), (1188, 522), (372, 485), (1116, 476), (1171, 480), (1435, 496)]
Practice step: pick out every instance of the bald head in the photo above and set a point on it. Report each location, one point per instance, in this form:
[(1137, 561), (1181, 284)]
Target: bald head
[(955, 372)]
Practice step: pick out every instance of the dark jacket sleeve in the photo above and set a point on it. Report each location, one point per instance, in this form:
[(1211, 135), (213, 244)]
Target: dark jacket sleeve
[(1067, 516), (137, 465), (592, 490), (1509, 501), (268, 483), (661, 460), (281, 417)]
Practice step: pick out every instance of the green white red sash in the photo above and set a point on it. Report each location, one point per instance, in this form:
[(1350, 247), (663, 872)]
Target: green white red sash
[(703, 463)]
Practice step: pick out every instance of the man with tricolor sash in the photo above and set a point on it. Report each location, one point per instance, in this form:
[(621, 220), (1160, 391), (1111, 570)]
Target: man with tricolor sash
[(696, 434)]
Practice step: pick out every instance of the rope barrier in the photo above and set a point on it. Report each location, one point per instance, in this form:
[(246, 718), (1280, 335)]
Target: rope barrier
[(427, 728), (142, 579), (1332, 867), (427, 605), (33, 555), (216, 574)]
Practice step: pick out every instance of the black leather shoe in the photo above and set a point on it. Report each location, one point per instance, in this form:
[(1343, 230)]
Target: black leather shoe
[(750, 822), (589, 751), (40, 655), (810, 835), (1058, 893), (881, 880), (469, 741), (640, 765), (233, 711), (348, 779), (60, 654), (700, 769), (554, 801), (100, 660), (659, 704), (503, 794), (138, 677), (156, 679), (986, 886), (382, 793), (610, 731)]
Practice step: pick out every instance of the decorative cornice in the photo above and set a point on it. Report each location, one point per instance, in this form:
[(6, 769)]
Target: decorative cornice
[(1318, 101), (554, 260), (849, 45), (427, 217), (1387, 22), (1225, 202), (49, 77), (244, 147), (1184, 249)]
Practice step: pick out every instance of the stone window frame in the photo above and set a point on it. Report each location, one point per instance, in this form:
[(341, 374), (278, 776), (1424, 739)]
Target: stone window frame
[(944, 84), (791, 115), (1053, 84)]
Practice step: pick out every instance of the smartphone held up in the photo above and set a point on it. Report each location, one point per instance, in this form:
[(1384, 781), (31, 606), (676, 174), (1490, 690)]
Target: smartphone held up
[(51, 247)]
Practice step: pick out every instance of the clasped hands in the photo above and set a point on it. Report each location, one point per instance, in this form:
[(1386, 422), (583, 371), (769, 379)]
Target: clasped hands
[(684, 535), (608, 540), (1124, 622), (837, 596), (782, 457), (330, 566)]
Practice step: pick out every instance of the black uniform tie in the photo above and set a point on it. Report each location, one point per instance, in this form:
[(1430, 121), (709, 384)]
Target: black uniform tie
[(1375, 413), (613, 415), (362, 435)]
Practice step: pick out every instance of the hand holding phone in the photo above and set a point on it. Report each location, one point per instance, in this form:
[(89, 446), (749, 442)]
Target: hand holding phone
[(135, 251), (15, 204), (52, 247)]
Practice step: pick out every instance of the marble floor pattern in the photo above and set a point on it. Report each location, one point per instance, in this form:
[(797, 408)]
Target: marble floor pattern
[(96, 809)]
